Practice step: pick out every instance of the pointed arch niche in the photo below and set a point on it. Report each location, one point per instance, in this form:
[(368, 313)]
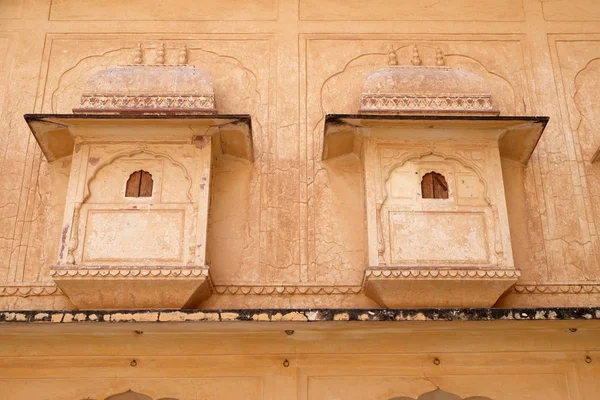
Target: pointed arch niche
[(431, 142)]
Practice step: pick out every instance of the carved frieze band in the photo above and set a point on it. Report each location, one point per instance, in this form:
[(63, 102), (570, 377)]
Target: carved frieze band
[(287, 289), (103, 103), (112, 272), (30, 291), (414, 103), (545, 289), (557, 289), (437, 273)]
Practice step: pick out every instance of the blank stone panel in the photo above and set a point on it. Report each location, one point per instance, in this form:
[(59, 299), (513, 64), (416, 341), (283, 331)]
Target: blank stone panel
[(413, 241), (158, 10), (136, 234), (571, 10), (11, 9), (394, 10)]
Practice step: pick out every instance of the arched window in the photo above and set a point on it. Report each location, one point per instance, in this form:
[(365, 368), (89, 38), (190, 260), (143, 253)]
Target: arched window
[(434, 186), (139, 184)]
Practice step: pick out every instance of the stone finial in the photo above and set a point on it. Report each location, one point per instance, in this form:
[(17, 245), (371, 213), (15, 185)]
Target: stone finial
[(393, 60), (416, 59), (439, 57), (183, 56), (160, 54), (138, 55)]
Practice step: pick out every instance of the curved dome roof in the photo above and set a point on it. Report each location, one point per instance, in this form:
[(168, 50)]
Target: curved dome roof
[(169, 89), (426, 90)]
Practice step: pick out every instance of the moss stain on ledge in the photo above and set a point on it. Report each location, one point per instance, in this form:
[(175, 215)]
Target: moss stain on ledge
[(301, 315)]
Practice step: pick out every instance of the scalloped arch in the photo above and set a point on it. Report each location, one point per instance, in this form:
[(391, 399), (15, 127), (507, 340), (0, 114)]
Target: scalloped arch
[(134, 153), (388, 170)]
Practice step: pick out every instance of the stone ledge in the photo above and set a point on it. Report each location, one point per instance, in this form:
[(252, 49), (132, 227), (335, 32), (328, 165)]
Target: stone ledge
[(438, 287), (124, 287), (301, 315)]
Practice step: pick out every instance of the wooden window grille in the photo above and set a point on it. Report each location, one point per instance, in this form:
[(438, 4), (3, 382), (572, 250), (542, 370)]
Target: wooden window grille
[(434, 186), (139, 184)]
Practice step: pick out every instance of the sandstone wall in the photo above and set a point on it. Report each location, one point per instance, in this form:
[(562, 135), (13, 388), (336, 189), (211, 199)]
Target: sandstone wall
[(500, 360), (289, 230)]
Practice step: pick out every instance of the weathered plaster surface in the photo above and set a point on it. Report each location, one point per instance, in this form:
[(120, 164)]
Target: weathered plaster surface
[(290, 230)]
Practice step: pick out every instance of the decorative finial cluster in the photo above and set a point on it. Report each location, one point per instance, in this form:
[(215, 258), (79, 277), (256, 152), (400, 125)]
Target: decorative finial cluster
[(183, 56), (160, 54), (416, 59), (439, 58), (138, 55), (393, 60)]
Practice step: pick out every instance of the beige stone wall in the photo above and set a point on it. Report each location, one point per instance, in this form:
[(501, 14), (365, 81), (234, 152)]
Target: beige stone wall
[(289, 230), (501, 360)]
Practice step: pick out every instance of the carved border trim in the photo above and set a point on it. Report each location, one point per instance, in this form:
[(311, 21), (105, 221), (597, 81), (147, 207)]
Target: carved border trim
[(433, 103), (107, 103), (557, 288), (545, 289), (286, 289), (437, 273), (29, 291), (128, 272)]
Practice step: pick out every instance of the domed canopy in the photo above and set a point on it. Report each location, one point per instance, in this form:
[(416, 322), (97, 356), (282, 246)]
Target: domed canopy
[(418, 90), (149, 89)]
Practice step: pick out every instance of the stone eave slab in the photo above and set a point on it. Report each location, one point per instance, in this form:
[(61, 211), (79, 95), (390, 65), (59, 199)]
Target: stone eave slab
[(517, 135), (299, 315), (56, 133)]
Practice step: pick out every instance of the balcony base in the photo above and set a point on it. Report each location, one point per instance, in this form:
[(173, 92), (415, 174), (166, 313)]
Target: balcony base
[(127, 287), (437, 287)]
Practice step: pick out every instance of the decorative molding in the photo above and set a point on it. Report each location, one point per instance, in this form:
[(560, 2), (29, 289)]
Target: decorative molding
[(410, 103), (557, 288), (124, 103), (286, 290), (30, 291), (548, 289), (83, 272), (439, 273)]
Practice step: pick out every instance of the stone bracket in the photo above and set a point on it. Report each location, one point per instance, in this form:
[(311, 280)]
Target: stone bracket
[(129, 287), (433, 287)]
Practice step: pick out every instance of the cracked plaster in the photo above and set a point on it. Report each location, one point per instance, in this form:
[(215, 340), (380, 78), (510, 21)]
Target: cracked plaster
[(300, 223)]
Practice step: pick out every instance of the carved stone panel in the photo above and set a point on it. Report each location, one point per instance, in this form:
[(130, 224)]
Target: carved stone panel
[(111, 228), (463, 229)]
